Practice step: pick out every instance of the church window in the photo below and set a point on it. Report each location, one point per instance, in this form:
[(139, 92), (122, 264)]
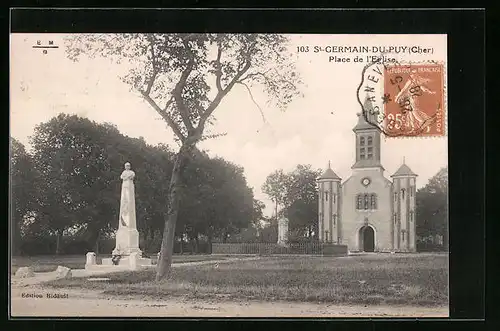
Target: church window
[(395, 197), (403, 235), (326, 235), (326, 196), (370, 141), (402, 193), (373, 201), (334, 197), (370, 153), (334, 219), (395, 218), (366, 201), (362, 141), (362, 154), (412, 188), (359, 201), (411, 215)]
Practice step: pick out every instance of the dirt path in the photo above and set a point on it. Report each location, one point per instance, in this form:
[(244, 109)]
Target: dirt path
[(92, 304), (29, 298)]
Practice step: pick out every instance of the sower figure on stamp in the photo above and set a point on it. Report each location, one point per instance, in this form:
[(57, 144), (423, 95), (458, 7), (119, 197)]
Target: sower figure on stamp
[(415, 86)]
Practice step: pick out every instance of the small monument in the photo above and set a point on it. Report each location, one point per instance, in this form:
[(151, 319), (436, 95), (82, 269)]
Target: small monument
[(282, 231), (127, 236)]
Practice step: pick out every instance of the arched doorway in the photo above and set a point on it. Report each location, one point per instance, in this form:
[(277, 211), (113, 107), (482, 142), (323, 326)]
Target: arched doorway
[(367, 239)]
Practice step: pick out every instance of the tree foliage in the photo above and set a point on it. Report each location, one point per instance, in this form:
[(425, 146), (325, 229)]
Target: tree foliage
[(302, 196), (276, 187), (432, 207), (296, 192), (184, 77), (23, 190)]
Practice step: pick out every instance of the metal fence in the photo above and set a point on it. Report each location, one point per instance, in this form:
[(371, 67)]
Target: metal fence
[(271, 249)]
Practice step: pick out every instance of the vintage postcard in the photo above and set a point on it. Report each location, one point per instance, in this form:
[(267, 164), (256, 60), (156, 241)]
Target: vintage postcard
[(229, 175)]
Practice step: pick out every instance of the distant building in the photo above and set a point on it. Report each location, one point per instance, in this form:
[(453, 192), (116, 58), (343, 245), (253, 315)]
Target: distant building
[(367, 211)]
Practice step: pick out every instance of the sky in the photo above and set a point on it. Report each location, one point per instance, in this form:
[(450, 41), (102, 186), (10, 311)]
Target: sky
[(314, 129)]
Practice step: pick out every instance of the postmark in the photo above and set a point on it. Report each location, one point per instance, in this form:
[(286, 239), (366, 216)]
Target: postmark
[(404, 99)]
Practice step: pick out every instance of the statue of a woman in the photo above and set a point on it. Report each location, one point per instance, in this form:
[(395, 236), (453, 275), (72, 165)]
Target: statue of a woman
[(128, 195)]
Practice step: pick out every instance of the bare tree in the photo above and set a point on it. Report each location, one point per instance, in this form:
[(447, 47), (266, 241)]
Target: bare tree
[(184, 77)]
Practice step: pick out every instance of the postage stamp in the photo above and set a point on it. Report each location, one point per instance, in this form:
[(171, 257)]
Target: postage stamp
[(414, 100), (404, 99)]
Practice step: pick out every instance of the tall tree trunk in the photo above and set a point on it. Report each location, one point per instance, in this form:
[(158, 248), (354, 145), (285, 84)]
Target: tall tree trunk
[(276, 209), (209, 241), (167, 244), (59, 234)]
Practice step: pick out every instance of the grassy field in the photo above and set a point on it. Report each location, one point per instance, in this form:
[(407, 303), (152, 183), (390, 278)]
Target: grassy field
[(412, 279), (50, 263)]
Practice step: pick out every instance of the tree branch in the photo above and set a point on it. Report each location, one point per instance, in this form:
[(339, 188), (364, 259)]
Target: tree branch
[(253, 100), (218, 70), (180, 86), (218, 98), (250, 75), (155, 70), (163, 113)]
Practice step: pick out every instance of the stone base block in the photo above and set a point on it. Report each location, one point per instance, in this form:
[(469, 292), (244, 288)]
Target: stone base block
[(131, 262), (127, 242)]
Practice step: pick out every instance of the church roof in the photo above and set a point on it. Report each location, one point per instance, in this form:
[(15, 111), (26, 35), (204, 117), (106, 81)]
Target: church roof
[(362, 117), (367, 163), (404, 170), (329, 174), (363, 124)]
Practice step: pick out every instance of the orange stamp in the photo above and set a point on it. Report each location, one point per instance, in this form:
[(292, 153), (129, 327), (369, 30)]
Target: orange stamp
[(413, 100)]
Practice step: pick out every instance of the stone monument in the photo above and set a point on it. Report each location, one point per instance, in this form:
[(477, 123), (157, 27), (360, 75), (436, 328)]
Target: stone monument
[(282, 231), (127, 236)]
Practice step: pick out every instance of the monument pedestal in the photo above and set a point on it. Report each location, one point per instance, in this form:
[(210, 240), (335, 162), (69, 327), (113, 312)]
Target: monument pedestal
[(127, 247), (132, 261), (127, 242), (282, 231)]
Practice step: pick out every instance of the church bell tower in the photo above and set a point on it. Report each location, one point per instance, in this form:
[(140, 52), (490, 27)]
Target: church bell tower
[(404, 224), (367, 141), (329, 206)]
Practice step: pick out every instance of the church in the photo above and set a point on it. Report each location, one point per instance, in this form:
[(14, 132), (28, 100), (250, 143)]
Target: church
[(368, 212)]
